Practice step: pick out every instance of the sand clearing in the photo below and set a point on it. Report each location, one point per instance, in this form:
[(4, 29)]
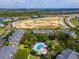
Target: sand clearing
[(52, 22)]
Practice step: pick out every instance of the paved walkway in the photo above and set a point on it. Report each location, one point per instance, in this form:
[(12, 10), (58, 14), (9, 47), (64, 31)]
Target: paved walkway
[(62, 23), (69, 22), (28, 57)]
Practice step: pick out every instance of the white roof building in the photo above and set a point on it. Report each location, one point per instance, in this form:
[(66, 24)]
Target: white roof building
[(2, 25), (5, 19), (15, 18)]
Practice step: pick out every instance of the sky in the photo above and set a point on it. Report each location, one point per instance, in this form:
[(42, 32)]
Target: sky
[(39, 3)]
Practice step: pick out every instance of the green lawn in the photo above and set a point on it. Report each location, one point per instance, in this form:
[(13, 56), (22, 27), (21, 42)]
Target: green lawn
[(5, 22), (75, 22), (33, 57), (1, 29), (9, 33), (22, 54)]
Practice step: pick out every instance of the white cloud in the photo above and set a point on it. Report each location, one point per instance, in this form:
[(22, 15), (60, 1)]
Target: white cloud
[(72, 1), (14, 1), (11, 2), (23, 1), (49, 1)]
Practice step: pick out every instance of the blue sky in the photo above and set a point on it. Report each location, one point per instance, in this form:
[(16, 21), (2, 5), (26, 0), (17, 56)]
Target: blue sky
[(39, 3)]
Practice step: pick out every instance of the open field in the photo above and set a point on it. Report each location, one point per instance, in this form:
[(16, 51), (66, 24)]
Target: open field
[(1, 29), (48, 22), (75, 22)]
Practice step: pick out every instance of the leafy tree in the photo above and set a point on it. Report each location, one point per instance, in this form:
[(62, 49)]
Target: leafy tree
[(22, 54), (42, 37), (7, 43)]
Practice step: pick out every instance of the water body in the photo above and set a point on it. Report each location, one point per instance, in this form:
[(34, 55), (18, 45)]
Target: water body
[(39, 46)]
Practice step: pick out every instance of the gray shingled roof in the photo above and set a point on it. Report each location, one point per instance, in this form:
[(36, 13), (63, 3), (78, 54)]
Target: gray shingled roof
[(68, 54), (16, 36), (43, 31), (7, 52)]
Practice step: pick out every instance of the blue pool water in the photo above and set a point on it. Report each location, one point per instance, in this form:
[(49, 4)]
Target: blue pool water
[(39, 46)]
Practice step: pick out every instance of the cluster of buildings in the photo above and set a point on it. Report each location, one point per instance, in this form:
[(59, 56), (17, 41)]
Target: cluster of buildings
[(68, 32), (68, 54), (4, 19), (7, 52), (76, 17), (48, 32), (8, 19), (2, 25), (16, 36)]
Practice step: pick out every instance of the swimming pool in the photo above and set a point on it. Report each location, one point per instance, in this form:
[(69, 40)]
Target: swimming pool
[(39, 46)]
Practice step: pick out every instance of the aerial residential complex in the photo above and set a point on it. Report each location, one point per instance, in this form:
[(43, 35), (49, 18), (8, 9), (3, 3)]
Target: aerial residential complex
[(39, 36)]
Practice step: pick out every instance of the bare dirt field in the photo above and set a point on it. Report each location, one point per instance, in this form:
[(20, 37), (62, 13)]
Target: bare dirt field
[(48, 22)]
